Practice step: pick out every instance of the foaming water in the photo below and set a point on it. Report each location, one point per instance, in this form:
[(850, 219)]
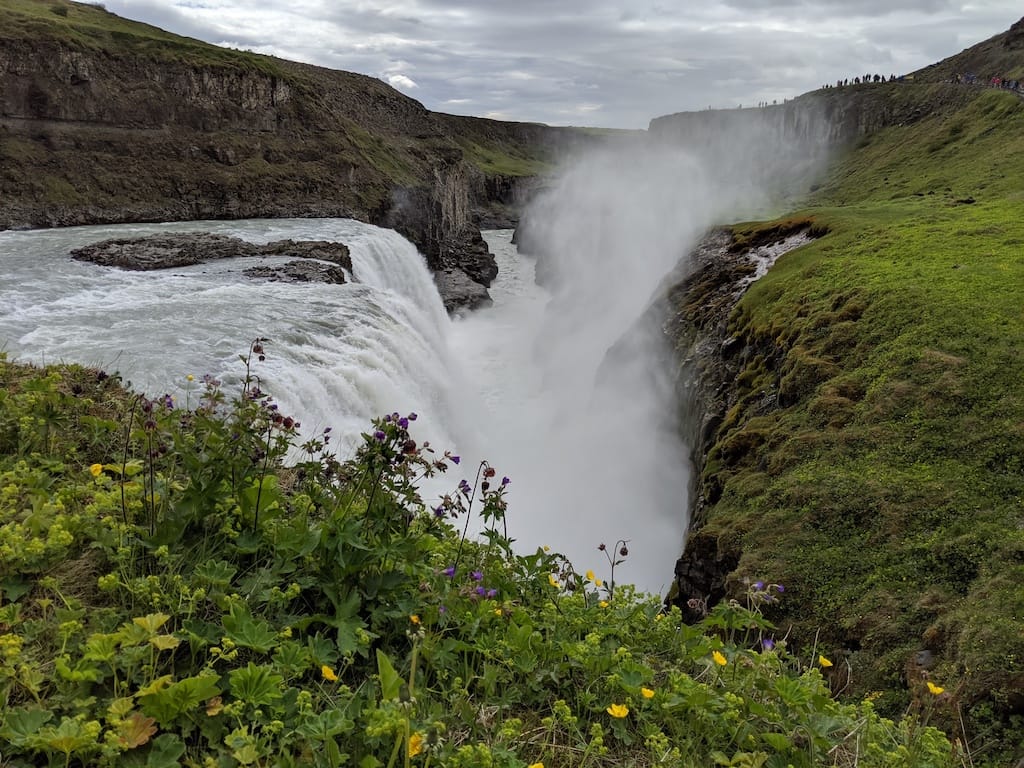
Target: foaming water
[(339, 355)]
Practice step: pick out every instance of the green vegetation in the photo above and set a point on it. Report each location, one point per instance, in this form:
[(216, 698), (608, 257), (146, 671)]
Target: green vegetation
[(883, 481), (173, 595), (90, 27), (503, 160)]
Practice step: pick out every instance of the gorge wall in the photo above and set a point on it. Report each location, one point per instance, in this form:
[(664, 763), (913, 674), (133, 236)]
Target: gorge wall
[(105, 120)]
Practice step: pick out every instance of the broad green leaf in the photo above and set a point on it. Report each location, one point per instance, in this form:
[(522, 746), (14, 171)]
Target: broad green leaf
[(255, 684), (20, 725), (248, 632), (165, 752), (179, 698), (390, 682), (152, 622)]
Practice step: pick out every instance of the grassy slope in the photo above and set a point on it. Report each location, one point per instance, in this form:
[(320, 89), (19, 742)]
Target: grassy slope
[(887, 491), (90, 27)]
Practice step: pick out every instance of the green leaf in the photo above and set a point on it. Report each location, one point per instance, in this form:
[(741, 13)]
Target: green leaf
[(255, 684), (166, 752), (390, 682), (777, 741), (248, 632), (21, 725), (179, 698), (14, 588), (216, 573)]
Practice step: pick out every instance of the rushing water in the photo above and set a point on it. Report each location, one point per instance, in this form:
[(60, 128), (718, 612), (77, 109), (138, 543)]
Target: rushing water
[(484, 384)]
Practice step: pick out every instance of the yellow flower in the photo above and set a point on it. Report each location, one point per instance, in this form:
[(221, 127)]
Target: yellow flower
[(603, 604), (497, 611), (590, 575), (415, 619), (190, 377), (96, 470), (547, 548), (598, 583), (935, 689), (720, 660), (553, 581), (618, 710), (415, 744), (647, 693), (329, 674), (823, 661), (536, 765)]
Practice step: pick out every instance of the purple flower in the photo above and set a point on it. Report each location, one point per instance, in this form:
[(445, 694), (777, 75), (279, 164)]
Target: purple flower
[(438, 511), (378, 435), (758, 585), (492, 593), (413, 416), (505, 481), (480, 591), (476, 576), (403, 423), (780, 588), (442, 609), (387, 418), (768, 644), (455, 459), (449, 571)]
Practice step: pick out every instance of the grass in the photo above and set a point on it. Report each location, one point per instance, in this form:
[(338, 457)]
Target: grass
[(885, 485), (171, 594), (90, 27)]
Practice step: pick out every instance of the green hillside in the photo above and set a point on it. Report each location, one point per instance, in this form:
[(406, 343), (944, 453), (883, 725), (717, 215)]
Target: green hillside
[(885, 485)]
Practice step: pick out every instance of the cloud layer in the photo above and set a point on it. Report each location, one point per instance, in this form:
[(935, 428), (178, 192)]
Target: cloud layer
[(608, 63)]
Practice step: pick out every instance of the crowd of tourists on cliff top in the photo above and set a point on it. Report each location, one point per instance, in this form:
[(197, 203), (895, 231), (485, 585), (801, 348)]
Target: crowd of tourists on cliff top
[(960, 78)]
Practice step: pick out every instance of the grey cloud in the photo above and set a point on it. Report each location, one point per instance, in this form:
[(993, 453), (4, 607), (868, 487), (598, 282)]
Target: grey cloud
[(615, 63)]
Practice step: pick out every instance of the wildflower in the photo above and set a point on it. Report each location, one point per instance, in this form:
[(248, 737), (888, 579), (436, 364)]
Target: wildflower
[(449, 571), (438, 511), (378, 435), (329, 674), (590, 575), (603, 604), (779, 588), (454, 459), (535, 765), (96, 470), (547, 548), (481, 591), (505, 481), (601, 547), (617, 710), (768, 644), (758, 585), (720, 660), (414, 618), (492, 593), (403, 423), (497, 611), (415, 744), (823, 661), (412, 416), (935, 689), (553, 581), (647, 693), (190, 377), (476, 575), (598, 583)]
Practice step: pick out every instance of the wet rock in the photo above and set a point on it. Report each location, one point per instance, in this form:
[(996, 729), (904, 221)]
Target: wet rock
[(299, 272), (189, 248), (459, 292)]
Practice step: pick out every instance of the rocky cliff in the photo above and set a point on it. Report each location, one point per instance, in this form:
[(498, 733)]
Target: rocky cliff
[(106, 120)]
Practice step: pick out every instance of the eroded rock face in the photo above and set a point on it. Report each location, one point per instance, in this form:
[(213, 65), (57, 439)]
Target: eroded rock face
[(185, 249), (709, 360)]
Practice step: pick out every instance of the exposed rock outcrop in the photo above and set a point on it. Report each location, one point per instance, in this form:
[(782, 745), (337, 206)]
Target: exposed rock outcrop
[(709, 359), (182, 250)]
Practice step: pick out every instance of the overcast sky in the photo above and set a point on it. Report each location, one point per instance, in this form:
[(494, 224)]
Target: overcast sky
[(607, 63)]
